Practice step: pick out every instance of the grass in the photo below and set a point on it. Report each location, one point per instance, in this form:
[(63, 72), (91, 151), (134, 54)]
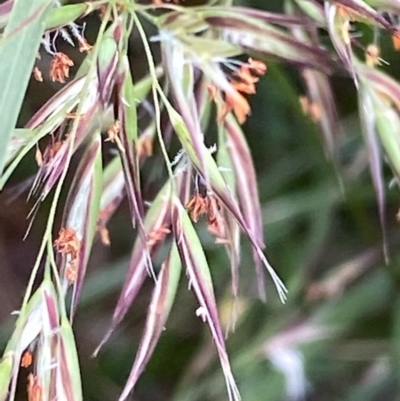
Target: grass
[(291, 168)]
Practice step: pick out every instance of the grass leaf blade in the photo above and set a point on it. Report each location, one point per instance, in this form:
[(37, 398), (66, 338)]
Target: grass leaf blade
[(20, 41)]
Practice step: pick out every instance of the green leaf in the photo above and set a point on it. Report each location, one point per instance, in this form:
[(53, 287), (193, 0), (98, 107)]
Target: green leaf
[(18, 48)]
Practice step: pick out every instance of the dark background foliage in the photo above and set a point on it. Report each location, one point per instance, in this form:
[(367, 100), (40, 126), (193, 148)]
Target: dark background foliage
[(324, 243)]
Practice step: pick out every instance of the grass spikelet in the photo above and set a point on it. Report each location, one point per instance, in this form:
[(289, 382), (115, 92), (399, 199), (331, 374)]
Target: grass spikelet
[(79, 222)]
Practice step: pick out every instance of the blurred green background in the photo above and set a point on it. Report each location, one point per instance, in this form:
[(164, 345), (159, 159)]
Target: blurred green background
[(338, 335)]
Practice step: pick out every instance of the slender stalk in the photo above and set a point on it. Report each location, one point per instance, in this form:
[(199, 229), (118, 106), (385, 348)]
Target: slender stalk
[(156, 88)]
